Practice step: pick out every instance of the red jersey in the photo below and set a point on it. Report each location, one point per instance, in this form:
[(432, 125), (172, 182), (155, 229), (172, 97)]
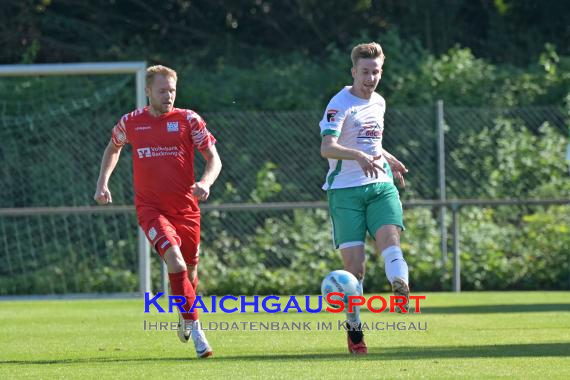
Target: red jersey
[(163, 156)]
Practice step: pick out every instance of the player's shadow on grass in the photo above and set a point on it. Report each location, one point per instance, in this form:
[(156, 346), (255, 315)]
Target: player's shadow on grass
[(443, 352), (485, 309), (379, 353)]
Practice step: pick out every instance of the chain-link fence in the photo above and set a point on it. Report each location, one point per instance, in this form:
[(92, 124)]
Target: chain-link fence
[(53, 139)]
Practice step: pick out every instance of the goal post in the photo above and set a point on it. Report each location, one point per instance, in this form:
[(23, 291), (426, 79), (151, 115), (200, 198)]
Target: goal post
[(99, 68)]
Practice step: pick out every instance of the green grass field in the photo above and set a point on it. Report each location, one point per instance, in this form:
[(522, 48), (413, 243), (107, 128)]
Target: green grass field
[(507, 334)]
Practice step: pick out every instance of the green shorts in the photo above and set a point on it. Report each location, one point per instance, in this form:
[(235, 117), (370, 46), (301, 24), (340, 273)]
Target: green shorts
[(354, 210)]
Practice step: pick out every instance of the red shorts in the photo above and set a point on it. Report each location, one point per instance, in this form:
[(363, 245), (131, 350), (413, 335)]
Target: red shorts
[(165, 230)]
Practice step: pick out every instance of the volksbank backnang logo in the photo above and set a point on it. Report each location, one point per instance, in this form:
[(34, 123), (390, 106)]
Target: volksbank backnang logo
[(157, 151), (143, 152)]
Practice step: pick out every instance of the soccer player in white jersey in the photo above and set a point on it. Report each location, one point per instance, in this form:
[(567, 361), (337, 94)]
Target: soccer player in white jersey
[(360, 182)]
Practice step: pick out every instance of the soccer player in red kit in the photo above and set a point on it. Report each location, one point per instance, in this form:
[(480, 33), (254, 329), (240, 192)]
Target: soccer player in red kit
[(163, 139)]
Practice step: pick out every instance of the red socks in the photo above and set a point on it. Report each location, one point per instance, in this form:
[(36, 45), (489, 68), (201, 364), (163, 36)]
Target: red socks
[(181, 286)]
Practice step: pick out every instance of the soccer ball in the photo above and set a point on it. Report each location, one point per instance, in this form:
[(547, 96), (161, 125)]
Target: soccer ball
[(343, 282)]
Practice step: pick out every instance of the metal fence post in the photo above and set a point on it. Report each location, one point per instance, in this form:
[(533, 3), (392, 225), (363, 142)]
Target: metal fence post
[(144, 263), (164, 277), (441, 178), (143, 243), (456, 258)]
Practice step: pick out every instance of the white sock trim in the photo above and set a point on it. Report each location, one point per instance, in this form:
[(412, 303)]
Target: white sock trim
[(349, 244), (392, 252)]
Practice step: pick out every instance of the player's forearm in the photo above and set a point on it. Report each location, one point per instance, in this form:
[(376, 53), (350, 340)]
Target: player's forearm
[(212, 170), (336, 151), (108, 164), (387, 155)]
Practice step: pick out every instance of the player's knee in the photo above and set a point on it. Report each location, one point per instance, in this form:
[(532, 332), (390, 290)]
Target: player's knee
[(174, 261), (392, 240), (388, 236), (175, 266)]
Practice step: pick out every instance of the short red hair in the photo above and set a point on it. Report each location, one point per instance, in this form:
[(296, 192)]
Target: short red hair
[(159, 69)]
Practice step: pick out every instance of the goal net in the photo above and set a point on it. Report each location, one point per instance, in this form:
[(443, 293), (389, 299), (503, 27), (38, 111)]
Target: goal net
[(55, 121)]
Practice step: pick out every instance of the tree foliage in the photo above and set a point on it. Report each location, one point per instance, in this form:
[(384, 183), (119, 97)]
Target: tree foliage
[(260, 54), (66, 30)]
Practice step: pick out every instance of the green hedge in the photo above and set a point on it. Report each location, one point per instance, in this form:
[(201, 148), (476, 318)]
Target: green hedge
[(529, 253)]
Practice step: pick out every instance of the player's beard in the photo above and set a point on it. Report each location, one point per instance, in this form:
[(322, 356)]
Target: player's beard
[(166, 108), (162, 108)]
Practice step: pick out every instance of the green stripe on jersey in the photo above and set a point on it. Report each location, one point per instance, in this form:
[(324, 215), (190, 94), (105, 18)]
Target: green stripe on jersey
[(331, 132), (334, 173)]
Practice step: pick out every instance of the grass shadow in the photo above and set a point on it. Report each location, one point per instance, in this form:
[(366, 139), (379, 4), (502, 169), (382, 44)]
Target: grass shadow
[(384, 353), (487, 309)]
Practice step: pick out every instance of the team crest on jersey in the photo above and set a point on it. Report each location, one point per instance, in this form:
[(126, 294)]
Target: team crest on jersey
[(172, 126), (331, 115)]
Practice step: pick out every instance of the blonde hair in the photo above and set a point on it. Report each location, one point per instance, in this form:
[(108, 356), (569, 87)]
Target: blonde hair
[(369, 50), (159, 69)]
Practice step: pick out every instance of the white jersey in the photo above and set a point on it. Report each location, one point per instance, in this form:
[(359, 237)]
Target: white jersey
[(359, 124)]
